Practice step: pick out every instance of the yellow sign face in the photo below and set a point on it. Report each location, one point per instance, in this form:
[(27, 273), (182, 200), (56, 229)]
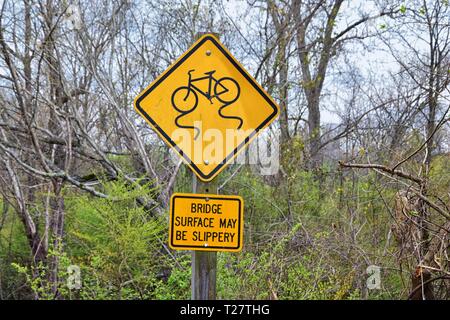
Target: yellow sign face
[(206, 222), (207, 107)]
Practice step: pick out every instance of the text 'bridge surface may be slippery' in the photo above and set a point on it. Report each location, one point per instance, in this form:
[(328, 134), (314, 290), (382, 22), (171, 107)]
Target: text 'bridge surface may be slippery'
[(207, 107)]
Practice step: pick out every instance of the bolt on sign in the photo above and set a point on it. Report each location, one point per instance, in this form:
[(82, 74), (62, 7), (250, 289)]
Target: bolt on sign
[(206, 222), (207, 107)]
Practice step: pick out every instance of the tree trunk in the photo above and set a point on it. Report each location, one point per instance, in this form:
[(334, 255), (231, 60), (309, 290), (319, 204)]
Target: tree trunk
[(313, 78), (315, 140)]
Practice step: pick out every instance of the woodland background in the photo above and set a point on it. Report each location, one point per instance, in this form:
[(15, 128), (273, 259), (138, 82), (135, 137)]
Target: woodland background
[(364, 174)]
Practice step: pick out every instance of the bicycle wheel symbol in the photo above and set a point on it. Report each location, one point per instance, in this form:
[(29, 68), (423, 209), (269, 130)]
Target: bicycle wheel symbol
[(227, 91), (185, 100)]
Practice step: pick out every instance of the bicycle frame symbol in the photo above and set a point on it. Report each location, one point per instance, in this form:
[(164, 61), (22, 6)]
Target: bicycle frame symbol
[(185, 98)]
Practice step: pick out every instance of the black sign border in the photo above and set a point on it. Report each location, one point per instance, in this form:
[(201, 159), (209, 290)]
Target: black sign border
[(209, 176), (212, 197)]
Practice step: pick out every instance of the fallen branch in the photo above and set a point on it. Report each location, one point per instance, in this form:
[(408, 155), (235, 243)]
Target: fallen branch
[(402, 174), (382, 168)]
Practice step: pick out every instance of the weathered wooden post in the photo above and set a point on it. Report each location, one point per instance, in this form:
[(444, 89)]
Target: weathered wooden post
[(204, 263)]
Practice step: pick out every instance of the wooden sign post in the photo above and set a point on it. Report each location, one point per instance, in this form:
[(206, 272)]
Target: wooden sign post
[(204, 263)]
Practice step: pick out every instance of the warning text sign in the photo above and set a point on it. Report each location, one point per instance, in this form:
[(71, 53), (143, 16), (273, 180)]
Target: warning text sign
[(206, 222)]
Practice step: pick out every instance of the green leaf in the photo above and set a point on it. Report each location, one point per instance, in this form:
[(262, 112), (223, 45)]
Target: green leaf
[(403, 8)]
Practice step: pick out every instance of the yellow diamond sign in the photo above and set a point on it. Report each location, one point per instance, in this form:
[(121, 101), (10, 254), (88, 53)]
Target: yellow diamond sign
[(207, 107)]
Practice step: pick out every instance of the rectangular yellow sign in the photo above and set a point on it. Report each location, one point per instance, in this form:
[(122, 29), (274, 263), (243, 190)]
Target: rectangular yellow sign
[(206, 222)]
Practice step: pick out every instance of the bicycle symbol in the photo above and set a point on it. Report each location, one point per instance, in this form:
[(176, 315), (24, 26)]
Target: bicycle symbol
[(185, 98)]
